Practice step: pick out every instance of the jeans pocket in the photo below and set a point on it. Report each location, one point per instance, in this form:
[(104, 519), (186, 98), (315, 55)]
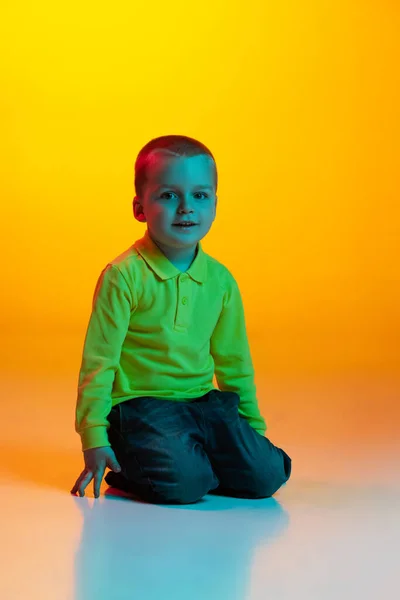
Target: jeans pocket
[(114, 417), (146, 415), (226, 404)]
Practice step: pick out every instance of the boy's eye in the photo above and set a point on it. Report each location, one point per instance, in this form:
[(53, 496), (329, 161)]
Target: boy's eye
[(169, 193)]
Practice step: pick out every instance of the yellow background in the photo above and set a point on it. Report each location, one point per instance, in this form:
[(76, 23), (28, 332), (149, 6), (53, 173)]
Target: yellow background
[(298, 101)]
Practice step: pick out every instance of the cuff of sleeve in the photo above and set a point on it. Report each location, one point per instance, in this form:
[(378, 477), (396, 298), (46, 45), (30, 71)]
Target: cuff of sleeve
[(94, 437)]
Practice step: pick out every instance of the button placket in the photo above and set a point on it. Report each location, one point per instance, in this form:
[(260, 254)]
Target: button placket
[(183, 301)]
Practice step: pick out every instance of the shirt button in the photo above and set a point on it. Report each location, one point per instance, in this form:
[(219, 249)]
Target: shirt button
[(184, 300), (184, 277)]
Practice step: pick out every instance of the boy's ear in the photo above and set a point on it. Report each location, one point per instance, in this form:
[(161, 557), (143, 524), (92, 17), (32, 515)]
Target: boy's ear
[(138, 210)]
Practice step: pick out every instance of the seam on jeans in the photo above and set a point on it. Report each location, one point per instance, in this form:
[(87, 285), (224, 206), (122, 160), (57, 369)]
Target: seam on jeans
[(204, 427), (147, 477), (120, 416), (123, 442)]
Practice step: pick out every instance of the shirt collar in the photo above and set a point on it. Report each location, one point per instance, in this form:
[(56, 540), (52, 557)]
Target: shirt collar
[(160, 264)]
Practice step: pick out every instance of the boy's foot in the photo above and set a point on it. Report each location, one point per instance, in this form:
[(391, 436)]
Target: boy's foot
[(117, 480)]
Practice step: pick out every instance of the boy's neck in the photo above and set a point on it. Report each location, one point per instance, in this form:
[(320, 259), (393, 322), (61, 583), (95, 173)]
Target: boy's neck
[(181, 258), (183, 261)]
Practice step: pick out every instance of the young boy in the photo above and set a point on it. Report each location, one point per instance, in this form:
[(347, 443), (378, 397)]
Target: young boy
[(166, 317)]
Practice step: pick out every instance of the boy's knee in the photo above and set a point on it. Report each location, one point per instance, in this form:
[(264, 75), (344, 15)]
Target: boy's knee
[(287, 465), (273, 479), (184, 490)]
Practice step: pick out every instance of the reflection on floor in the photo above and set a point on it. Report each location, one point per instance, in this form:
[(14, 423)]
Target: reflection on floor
[(331, 533)]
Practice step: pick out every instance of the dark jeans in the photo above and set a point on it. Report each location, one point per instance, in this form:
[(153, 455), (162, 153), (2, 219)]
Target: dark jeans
[(177, 452)]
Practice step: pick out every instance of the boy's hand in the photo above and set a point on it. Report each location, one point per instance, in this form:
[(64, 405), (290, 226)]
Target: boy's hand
[(96, 461)]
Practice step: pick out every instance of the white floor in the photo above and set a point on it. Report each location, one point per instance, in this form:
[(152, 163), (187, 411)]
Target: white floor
[(333, 532)]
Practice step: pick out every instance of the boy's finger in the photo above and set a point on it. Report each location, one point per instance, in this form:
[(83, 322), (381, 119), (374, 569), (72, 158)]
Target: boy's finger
[(98, 476), (84, 482), (77, 482)]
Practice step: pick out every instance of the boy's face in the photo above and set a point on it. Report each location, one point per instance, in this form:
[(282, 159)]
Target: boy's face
[(178, 189)]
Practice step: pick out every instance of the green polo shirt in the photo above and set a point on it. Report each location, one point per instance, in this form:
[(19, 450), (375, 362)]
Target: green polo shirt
[(157, 331)]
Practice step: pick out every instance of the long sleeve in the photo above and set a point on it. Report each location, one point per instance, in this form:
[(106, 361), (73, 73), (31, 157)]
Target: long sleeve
[(230, 350), (107, 328)]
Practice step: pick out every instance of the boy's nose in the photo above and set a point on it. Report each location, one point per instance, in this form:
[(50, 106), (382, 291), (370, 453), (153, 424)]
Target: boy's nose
[(185, 206)]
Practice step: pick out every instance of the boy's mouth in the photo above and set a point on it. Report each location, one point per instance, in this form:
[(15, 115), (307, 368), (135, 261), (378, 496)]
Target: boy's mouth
[(185, 224)]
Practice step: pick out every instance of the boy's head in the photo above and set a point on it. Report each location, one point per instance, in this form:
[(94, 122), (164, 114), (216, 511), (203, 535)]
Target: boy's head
[(176, 181)]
